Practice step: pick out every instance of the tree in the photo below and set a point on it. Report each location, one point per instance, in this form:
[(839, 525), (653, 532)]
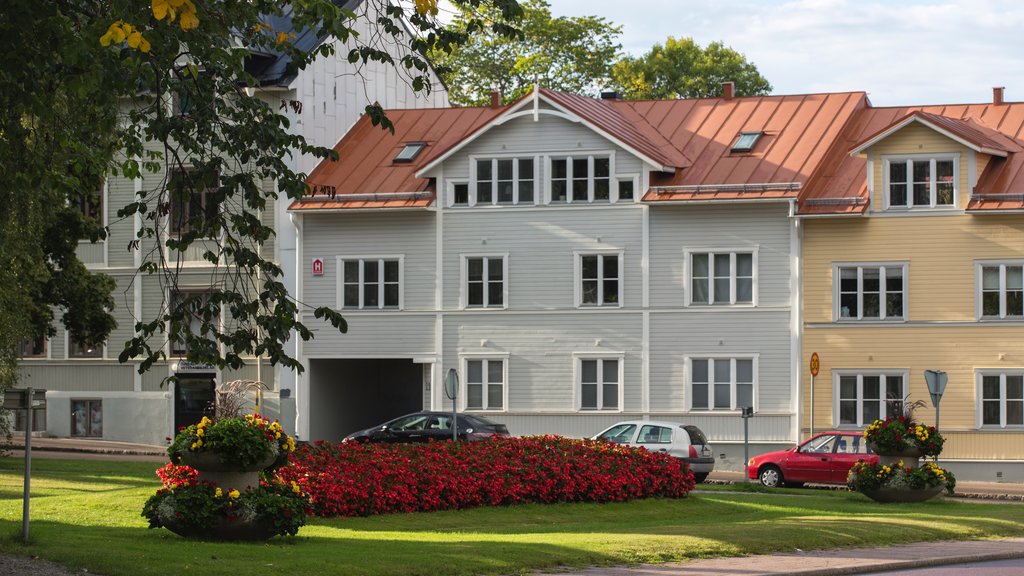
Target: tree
[(86, 92), (573, 54), (682, 69)]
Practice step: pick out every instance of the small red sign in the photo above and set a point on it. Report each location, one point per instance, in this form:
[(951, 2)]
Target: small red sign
[(815, 364), (318, 266)]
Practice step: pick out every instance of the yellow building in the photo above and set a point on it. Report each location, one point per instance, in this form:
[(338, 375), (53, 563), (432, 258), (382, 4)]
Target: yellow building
[(913, 260)]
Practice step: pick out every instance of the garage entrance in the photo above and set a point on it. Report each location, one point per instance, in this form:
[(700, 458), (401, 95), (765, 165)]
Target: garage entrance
[(349, 395)]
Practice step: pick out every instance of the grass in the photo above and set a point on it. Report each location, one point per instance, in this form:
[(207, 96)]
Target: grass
[(85, 515)]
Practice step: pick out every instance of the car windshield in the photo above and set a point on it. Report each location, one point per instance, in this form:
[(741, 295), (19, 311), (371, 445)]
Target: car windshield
[(619, 434)]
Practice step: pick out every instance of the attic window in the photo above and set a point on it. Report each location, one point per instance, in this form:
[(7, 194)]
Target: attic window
[(410, 151), (746, 141)]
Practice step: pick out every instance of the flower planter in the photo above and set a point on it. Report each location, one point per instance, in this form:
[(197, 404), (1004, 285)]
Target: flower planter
[(897, 495), (225, 529), (910, 452), (212, 469)]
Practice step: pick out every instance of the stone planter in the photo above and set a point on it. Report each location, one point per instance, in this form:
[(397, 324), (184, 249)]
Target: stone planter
[(212, 469), (897, 495), (224, 529), (910, 456)]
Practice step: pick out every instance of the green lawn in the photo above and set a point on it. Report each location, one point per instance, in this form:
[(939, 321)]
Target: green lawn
[(86, 515)]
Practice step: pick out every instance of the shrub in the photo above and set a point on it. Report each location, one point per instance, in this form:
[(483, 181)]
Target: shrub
[(353, 479)]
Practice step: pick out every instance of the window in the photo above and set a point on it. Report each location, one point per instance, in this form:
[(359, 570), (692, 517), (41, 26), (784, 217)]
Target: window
[(79, 349), (1002, 290), (921, 181), (746, 141), (87, 418), (485, 384), (485, 282), (194, 305), (600, 383), (651, 434), (722, 278), (722, 383), (194, 202), (370, 282), (460, 194), (619, 434), (626, 188), (90, 204), (862, 398), (1002, 399), (505, 181), (410, 151), (33, 348), (581, 179), (599, 276), (870, 292)]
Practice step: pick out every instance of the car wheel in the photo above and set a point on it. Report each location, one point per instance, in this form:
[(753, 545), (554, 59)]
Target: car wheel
[(770, 476), (794, 484), (698, 478)]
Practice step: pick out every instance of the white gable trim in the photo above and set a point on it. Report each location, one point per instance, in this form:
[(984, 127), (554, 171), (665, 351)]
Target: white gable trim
[(516, 111), (934, 127)]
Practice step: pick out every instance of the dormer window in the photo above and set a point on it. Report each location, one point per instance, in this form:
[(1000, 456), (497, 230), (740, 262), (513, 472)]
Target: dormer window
[(410, 151), (921, 181), (746, 141)]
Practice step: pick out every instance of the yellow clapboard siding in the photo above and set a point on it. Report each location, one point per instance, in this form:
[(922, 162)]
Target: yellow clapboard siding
[(957, 350), (941, 252)]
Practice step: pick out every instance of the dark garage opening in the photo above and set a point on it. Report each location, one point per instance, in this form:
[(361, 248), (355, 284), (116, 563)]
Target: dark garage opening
[(349, 395)]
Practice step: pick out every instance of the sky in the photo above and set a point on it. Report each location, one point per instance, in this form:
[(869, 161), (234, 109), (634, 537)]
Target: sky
[(899, 52)]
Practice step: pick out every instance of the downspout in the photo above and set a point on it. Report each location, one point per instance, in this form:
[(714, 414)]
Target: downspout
[(296, 219)]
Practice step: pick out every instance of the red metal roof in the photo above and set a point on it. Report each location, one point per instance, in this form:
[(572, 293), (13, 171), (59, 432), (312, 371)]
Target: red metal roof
[(841, 187), (803, 152)]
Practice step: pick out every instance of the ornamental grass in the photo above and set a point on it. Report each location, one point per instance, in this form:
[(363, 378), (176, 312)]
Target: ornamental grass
[(361, 479)]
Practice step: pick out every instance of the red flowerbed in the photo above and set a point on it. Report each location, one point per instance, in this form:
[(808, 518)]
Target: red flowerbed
[(353, 479)]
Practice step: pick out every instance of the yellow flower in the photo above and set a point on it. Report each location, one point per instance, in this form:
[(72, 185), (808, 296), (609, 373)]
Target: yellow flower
[(295, 488), (193, 446), (199, 442), (200, 432), (234, 494), (218, 493)]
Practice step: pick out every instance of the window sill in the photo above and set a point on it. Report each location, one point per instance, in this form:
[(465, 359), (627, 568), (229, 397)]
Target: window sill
[(870, 321)]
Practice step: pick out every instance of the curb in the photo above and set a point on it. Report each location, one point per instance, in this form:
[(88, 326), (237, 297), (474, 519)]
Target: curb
[(909, 564), (1003, 497)]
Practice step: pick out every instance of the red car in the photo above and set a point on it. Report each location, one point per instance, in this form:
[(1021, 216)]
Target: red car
[(824, 459)]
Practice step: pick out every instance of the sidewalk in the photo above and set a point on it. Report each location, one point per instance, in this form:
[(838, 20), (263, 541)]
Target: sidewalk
[(832, 562), (87, 448)]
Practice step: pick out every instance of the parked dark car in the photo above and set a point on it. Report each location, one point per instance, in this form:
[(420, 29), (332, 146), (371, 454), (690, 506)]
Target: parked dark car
[(824, 459), (426, 426)]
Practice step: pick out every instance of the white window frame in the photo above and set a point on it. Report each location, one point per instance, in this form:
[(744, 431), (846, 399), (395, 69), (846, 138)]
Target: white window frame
[(979, 267), (578, 278), (590, 156), (170, 345), (464, 360), (578, 358), (635, 179), (451, 193), (67, 350), (537, 182), (860, 374), (713, 358), (860, 266), (464, 280), (340, 281), (688, 275), (887, 160), (979, 399)]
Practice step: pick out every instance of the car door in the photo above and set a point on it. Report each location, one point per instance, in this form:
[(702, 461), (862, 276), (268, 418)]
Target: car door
[(405, 429), (656, 439), (812, 461), (850, 449)]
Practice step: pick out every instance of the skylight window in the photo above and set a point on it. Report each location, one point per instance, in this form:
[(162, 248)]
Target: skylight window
[(746, 141), (410, 151)]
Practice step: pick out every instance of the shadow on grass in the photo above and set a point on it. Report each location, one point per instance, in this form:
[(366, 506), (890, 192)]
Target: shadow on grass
[(123, 474), (116, 551)]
